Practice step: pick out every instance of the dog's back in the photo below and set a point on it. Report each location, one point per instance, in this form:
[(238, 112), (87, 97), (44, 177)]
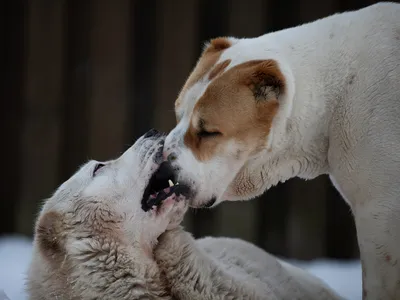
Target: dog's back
[(248, 262)]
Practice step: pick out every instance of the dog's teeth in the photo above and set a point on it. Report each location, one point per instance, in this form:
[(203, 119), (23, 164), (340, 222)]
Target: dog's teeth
[(170, 183)]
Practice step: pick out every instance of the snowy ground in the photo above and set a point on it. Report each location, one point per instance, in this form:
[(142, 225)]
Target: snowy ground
[(343, 276), (15, 254)]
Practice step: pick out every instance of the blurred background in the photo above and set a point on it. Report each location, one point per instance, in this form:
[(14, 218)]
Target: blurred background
[(84, 79)]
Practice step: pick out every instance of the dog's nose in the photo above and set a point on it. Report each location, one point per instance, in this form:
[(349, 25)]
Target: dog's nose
[(151, 132)]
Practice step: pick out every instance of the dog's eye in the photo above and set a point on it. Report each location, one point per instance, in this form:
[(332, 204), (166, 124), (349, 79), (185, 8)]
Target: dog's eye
[(97, 168), (207, 134)]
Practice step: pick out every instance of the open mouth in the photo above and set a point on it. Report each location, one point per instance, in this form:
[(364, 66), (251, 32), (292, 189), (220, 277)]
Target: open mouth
[(161, 186)]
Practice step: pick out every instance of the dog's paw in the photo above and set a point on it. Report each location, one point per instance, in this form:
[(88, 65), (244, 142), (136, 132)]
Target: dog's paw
[(172, 246), (178, 214)]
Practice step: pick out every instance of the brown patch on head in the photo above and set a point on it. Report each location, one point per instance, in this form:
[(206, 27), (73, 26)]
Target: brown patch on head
[(218, 44), (49, 234), (266, 80), (218, 69), (240, 104), (206, 62)]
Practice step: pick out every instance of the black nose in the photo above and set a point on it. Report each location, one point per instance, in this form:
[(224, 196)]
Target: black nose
[(151, 132)]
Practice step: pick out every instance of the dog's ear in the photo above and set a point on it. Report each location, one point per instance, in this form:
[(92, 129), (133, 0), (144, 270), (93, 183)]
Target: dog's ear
[(49, 235), (264, 79), (217, 44)]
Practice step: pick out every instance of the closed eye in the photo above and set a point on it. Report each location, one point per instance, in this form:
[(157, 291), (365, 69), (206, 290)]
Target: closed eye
[(208, 134), (97, 168)]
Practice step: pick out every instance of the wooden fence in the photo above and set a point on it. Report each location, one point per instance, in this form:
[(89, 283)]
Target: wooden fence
[(83, 79)]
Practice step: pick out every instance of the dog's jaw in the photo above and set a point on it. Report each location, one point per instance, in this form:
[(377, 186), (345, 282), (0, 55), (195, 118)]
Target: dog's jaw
[(94, 229), (208, 180)]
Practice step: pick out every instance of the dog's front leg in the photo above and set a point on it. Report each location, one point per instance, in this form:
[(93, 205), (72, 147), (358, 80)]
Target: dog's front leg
[(192, 274), (378, 231)]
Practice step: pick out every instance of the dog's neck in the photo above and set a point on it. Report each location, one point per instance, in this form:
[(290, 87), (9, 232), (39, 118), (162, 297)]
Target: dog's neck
[(134, 274), (317, 76)]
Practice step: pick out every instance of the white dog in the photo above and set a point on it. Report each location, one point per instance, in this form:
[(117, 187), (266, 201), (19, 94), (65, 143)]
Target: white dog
[(98, 237), (321, 98)]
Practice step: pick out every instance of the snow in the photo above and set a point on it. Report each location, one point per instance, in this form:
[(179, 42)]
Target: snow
[(342, 276), (15, 254)]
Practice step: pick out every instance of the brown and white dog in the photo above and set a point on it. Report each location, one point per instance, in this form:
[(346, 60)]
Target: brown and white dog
[(111, 232), (321, 98)]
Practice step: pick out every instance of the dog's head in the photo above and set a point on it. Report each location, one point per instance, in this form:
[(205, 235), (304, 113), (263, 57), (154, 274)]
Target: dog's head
[(230, 113), (128, 201)]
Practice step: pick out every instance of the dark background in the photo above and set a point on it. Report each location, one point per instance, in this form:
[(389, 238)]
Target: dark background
[(84, 78)]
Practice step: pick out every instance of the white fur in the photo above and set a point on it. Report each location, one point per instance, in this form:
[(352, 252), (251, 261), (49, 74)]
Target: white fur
[(338, 116), (225, 268), (102, 245), (103, 238)]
